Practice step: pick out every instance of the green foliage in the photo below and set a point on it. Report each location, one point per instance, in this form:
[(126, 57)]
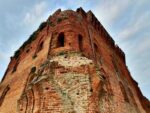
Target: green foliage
[(62, 53), (32, 37), (64, 18), (61, 19), (17, 53), (97, 68), (42, 25), (64, 93), (50, 23)]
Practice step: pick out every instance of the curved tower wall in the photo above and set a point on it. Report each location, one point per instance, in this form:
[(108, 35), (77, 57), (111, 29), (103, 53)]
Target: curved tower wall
[(70, 64)]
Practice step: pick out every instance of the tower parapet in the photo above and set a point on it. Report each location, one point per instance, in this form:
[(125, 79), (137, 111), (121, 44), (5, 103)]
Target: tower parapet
[(70, 64), (105, 35)]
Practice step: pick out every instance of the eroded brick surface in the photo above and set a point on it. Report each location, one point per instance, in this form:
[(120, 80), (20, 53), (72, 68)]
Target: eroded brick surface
[(70, 65)]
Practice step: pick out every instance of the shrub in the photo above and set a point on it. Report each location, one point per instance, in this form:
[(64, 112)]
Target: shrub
[(62, 53), (17, 53), (51, 23), (32, 37), (42, 25), (61, 19)]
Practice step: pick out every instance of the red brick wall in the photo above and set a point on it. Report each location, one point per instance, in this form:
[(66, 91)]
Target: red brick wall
[(106, 81)]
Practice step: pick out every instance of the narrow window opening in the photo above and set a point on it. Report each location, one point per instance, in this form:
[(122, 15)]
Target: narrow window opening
[(15, 68), (123, 92), (80, 39), (60, 40), (114, 62), (96, 48), (96, 53), (4, 94), (91, 90), (40, 47), (33, 69), (47, 88)]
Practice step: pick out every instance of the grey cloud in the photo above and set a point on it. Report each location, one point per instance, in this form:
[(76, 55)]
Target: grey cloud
[(109, 11), (141, 22), (143, 46), (35, 14)]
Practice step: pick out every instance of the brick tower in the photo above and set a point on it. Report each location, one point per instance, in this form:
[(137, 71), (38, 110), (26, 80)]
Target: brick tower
[(70, 64)]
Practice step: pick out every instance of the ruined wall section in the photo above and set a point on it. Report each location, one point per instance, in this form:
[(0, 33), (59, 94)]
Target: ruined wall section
[(104, 34), (32, 55), (107, 53), (73, 27), (81, 48)]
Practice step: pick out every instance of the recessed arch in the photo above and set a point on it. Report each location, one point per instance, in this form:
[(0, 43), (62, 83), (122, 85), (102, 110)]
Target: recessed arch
[(80, 41), (95, 47), (15, 67), (60, 40), (40, 47)]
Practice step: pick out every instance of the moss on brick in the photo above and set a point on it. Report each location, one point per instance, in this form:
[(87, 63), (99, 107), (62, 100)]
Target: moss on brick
[(32, 37), (42, 26), (16, 54), (61, 19), (50, 23)]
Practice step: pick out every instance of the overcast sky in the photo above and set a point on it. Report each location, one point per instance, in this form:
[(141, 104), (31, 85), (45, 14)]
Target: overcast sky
[(127, 21)]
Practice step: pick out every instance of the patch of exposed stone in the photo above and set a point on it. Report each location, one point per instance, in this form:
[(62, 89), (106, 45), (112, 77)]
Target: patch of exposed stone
[(70, 83), (71, 60), (72, 87), (77, 88)]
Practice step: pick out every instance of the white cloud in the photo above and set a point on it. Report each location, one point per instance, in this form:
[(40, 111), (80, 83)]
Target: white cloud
[(35, 13), (1, 56), (139, 22), (109, 11), (143, 46), (4, 56), (77, 3)]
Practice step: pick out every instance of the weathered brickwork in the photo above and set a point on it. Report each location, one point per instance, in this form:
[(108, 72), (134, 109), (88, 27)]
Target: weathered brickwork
[(70, 64)]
